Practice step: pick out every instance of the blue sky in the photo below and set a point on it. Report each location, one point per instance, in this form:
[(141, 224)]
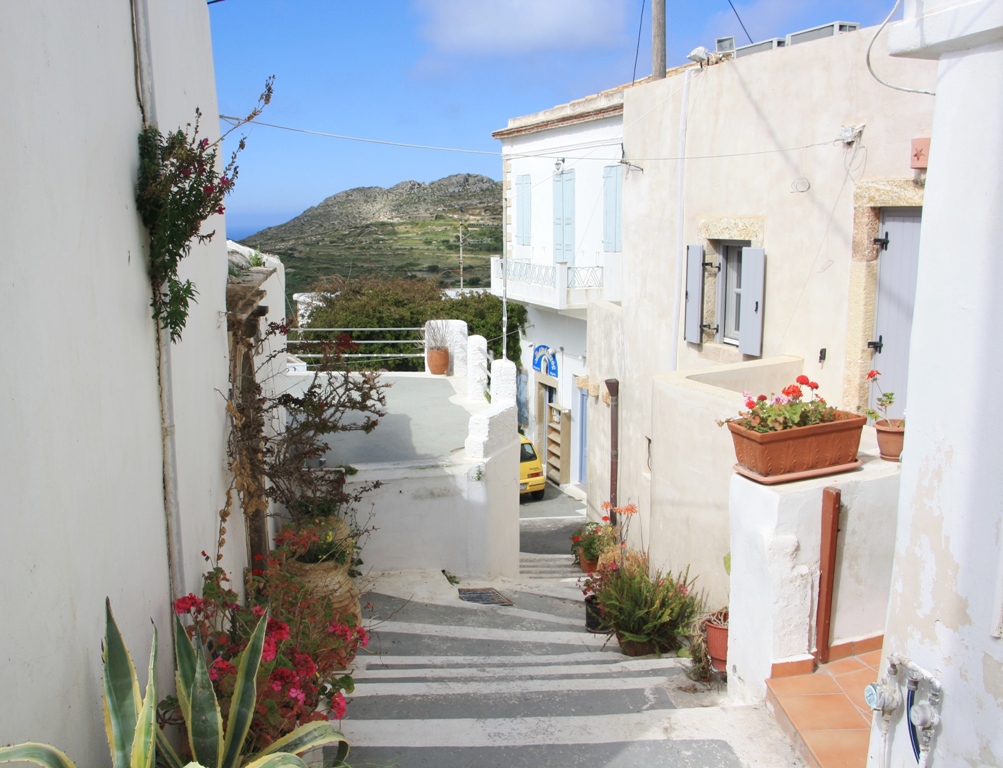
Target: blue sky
[(438, 72)]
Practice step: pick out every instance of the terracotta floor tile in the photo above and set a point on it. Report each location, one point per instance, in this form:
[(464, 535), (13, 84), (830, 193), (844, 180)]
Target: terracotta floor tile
[(803, 684), (853, 684), (828, 711), (871, 658), (849, 664), (839, 749)]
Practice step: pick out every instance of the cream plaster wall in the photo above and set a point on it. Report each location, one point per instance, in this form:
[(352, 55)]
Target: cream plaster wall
[(754, 126), (81, 458)]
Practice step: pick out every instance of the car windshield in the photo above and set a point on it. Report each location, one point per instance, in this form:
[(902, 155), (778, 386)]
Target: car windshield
[(528, 453)]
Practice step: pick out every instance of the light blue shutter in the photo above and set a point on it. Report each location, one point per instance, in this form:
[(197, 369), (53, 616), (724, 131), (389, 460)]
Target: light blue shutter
[(558, 217), (523, 209), (694, 294), (750, 337), (612, 185), (569, 217)]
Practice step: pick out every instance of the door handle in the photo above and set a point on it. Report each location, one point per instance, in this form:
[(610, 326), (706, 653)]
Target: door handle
[(877, 345)]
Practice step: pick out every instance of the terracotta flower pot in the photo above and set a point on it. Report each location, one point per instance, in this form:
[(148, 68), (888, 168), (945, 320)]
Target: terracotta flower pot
[(717, 644), (438, 361), (799, 453), (891, 434), (587, 566), (636, 647)]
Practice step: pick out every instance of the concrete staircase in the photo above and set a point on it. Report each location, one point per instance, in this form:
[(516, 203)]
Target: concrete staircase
[(447, 683)]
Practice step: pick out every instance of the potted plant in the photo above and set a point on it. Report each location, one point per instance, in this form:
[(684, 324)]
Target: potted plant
[(709, 640), (649, 614), (437, 346), (891, 432), (785, 437), (590, 541)]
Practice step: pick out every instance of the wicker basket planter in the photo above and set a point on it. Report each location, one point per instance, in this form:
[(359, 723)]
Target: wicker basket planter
[(800, 453)]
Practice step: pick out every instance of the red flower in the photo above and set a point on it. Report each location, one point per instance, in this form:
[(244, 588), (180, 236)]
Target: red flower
[(812, 385), (257, 572), (187, 604), (337, 706), (802, 379), (750, 403), (793, 391), (762, 398), (258, 611), (576, 538), (873, 374), (605, 518), (259, 556)]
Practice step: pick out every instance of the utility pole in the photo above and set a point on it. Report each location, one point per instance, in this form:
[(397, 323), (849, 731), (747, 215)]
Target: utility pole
[(658, 40), (461, 255)]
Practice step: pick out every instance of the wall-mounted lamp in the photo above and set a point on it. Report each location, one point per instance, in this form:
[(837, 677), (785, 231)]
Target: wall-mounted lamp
[(559, 164), (699, 55)]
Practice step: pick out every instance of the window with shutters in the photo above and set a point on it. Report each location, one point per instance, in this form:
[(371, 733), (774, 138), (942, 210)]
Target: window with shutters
[(564, 217), (612, 191), (523, 209)]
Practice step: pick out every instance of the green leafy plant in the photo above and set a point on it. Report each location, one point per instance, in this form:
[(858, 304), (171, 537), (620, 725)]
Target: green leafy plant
[(658, 609), (787, 410), (178, 190), (135, 739), (884, 401)]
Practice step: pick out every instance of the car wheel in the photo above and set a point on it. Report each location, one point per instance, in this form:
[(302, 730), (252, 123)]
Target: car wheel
[(537, 495)]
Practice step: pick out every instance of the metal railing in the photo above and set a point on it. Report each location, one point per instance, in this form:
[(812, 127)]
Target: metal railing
[(527, 272), (585, 277), (299, 343)]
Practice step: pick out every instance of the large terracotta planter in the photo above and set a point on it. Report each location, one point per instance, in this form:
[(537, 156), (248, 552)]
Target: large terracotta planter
[(438, 361), (800, 453), (636, 647), (717, 643), (891, 434)]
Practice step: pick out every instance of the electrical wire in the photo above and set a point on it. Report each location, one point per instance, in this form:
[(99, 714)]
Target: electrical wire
[(637, 49), (868, 58), (751, 42)]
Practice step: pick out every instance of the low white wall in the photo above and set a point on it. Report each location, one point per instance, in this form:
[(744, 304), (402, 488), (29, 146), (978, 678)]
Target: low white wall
[(459, 514), (775, 559), (691, 462)]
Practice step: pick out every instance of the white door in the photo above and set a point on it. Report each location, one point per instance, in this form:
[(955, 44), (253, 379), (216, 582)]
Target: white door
[(896, 295)]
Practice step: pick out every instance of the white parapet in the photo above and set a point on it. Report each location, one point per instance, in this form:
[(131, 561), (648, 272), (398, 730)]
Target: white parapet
[(477, 369), (503, 381)]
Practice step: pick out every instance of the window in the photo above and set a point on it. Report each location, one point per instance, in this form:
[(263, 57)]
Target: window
[(564, 217), (730, 321), (523, 209), (741, 291), (612, 190)]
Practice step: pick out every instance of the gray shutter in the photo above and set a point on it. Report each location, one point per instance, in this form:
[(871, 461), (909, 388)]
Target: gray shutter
[(523, 187), (558, 218), (618, 211), (750, 336), (694, 294), (569, 217)]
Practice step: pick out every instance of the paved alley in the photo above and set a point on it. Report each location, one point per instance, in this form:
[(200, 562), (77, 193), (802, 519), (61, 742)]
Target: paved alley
[(454, 684)]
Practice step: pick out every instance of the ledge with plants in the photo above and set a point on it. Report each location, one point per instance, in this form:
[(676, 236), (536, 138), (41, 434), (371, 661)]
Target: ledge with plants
[(891, 432)]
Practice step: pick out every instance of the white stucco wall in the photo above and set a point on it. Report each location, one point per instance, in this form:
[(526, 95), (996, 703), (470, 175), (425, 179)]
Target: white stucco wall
[(947, 581), (746, 120), (775, 561), (81, 458)]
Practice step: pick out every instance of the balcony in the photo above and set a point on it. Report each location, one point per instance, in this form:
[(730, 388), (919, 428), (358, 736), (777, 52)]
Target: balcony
[(557, 286)]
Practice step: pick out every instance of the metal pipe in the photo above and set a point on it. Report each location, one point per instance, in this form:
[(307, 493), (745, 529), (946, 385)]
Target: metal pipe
[(613, 387), (658, 40)]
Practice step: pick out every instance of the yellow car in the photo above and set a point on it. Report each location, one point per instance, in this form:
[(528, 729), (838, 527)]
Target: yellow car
[(531, 477)]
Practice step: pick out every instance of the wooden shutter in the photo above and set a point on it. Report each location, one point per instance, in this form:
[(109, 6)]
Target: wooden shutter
[(694, 294), (612, 192), (523, 209), (750, 338), (568, 178), (558, 217)]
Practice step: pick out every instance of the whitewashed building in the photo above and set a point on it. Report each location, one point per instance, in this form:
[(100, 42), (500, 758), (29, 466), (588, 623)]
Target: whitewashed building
[(563, 240)]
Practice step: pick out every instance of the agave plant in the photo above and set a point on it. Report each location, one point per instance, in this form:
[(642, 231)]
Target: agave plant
[(135, 739)]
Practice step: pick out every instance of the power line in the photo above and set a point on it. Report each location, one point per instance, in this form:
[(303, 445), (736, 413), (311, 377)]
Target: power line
[(740, 21), (637, 49)]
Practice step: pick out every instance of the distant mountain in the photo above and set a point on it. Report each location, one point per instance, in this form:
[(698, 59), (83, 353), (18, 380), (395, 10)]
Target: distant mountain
[(411, 228)]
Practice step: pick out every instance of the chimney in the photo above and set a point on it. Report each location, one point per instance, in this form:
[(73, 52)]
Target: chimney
[(658, 39)]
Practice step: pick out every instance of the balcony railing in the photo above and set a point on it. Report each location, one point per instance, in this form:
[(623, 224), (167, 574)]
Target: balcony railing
[(547, 275)]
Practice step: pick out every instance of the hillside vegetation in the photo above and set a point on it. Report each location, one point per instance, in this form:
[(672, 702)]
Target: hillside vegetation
[(409, 229)]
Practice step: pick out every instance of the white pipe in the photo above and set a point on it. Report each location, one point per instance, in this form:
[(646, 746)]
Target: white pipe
[(680, 245)]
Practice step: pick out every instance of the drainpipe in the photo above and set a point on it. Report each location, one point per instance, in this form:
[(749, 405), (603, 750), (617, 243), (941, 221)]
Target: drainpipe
[(680, 244), (148, 108), (613, 387)]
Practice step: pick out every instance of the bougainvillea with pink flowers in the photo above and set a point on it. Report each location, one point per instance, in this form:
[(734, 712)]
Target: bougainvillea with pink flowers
[(307, 649)]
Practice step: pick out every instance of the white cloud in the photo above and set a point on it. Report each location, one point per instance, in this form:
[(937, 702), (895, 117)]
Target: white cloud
[(520, 26)]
